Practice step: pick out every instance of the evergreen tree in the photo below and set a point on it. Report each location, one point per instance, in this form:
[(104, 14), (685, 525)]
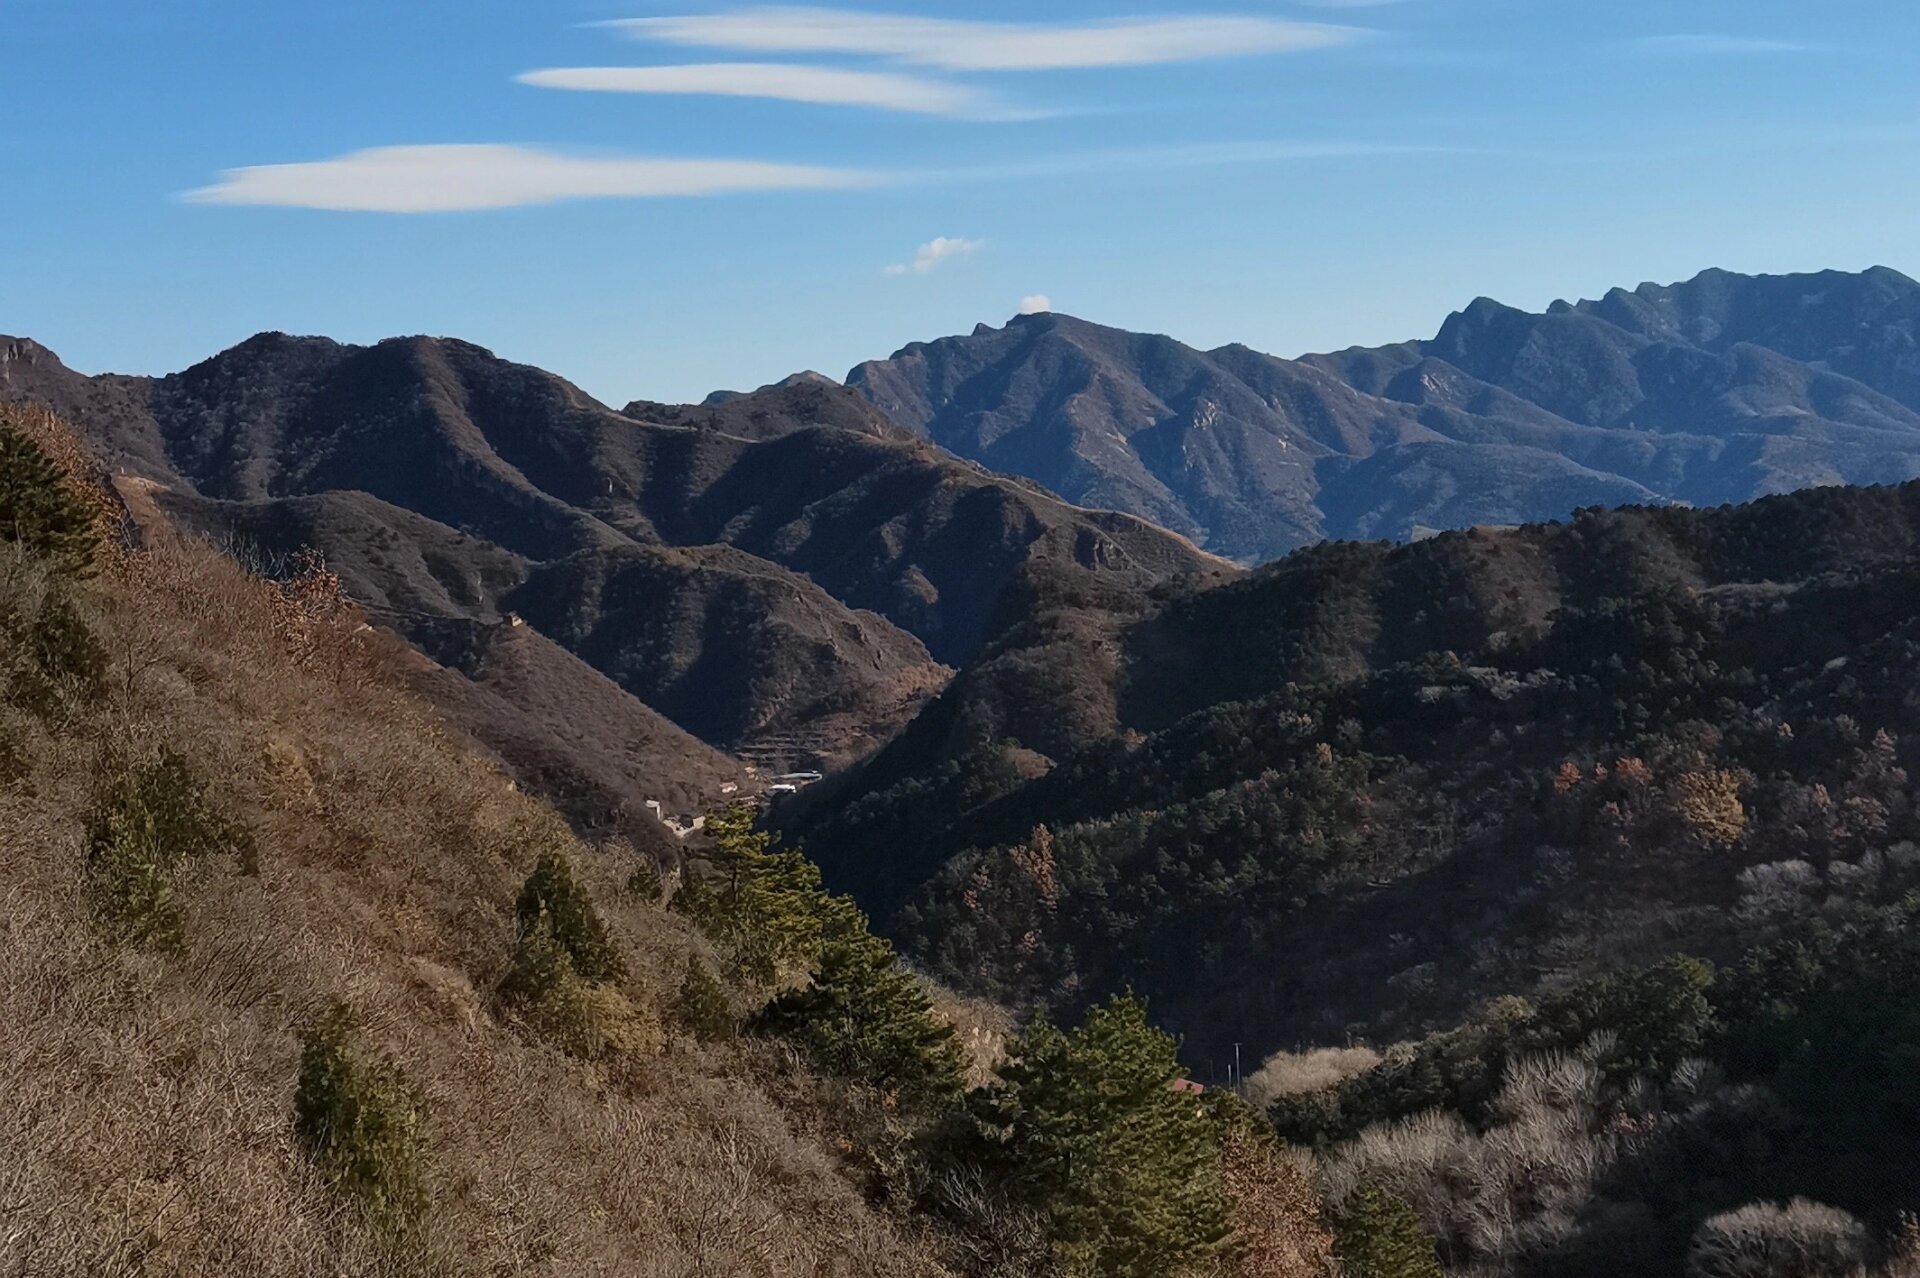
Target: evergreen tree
[(1377, 1235), (543, 984), (359, 1123), (863, 1016), (763, 905), (38, 509), (552, 897), (702, 1007), (1086, 1126)]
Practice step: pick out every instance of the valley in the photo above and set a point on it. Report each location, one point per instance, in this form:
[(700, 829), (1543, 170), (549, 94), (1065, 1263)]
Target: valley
[(1575, 803)]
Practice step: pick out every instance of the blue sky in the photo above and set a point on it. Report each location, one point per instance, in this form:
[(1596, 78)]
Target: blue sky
[(658, 198)]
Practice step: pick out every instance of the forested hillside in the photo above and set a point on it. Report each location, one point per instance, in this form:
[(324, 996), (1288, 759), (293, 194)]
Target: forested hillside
[(1579, 862), (1370, 785)]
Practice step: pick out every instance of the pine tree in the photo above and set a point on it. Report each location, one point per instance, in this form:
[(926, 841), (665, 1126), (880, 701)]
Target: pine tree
[(1377, 1235), (356, 1119), (863, 1016), (39, 510), (552, 895), (1086, 1126), (702, 1007), (764, 906), (543, 985)]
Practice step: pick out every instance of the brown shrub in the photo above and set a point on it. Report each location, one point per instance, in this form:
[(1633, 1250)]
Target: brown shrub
[(1298, 1073), (1766, 1240), (1277, 1231)]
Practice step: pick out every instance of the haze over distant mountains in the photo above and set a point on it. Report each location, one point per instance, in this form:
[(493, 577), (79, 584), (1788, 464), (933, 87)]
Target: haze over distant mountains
[(1721, 389)]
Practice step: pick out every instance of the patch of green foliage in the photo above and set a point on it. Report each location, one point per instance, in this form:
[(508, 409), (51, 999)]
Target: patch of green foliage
[(1829, 1021), (39, 509), (843, 996), (561, 951), (54, 656), (542, 983), (361, 1126), (149, 821), (1377, 1235), (863, 1015), (552, 894), (702, 1007), (1085, 1125), (760, 904)]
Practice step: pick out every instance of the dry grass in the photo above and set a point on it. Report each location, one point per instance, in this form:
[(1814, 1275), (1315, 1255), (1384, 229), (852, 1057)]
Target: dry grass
[(148, 1122)]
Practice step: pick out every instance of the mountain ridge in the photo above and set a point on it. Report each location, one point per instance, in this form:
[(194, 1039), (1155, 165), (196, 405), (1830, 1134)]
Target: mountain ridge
[(1722, 388), (801, 591)]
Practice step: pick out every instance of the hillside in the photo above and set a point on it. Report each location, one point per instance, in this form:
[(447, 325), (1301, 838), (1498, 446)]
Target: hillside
[(820, 578), (315, 836), (1722, 389), (1349, 771), (296, 983), (1613, 818)]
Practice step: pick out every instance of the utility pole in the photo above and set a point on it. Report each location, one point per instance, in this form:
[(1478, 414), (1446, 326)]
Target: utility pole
[(1239, 1080)]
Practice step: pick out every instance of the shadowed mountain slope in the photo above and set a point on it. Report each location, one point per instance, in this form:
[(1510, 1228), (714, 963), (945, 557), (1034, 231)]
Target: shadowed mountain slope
[(1369, 786), (803, 587), (794, 403)]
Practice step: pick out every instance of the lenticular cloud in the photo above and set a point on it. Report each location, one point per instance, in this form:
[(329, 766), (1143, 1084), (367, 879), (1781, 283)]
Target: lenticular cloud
[(439, 179)]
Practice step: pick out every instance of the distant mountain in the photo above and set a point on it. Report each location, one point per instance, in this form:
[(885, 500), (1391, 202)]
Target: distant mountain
[(793, 591), (799, 402), (1721, 389)]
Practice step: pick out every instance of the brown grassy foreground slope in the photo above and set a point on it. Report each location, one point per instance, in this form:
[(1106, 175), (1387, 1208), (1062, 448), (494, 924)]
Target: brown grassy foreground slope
[(148, 1124)]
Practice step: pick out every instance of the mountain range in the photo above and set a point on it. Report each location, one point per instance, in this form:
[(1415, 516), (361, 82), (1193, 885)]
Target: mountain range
[(609, 599), (1720, 389), (627, 604)]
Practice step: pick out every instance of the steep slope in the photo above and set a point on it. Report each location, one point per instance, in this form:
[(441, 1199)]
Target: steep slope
[(150, 1123), (732, 647), (439, 481), (1721, 389), (1367, 787)]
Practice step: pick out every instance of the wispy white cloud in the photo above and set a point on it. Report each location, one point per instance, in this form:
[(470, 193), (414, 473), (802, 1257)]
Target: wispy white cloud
[(441, 179), (1152, 159), (1035, 304), (884, 90), (934, 252), (988, 46), (1711, 45)]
